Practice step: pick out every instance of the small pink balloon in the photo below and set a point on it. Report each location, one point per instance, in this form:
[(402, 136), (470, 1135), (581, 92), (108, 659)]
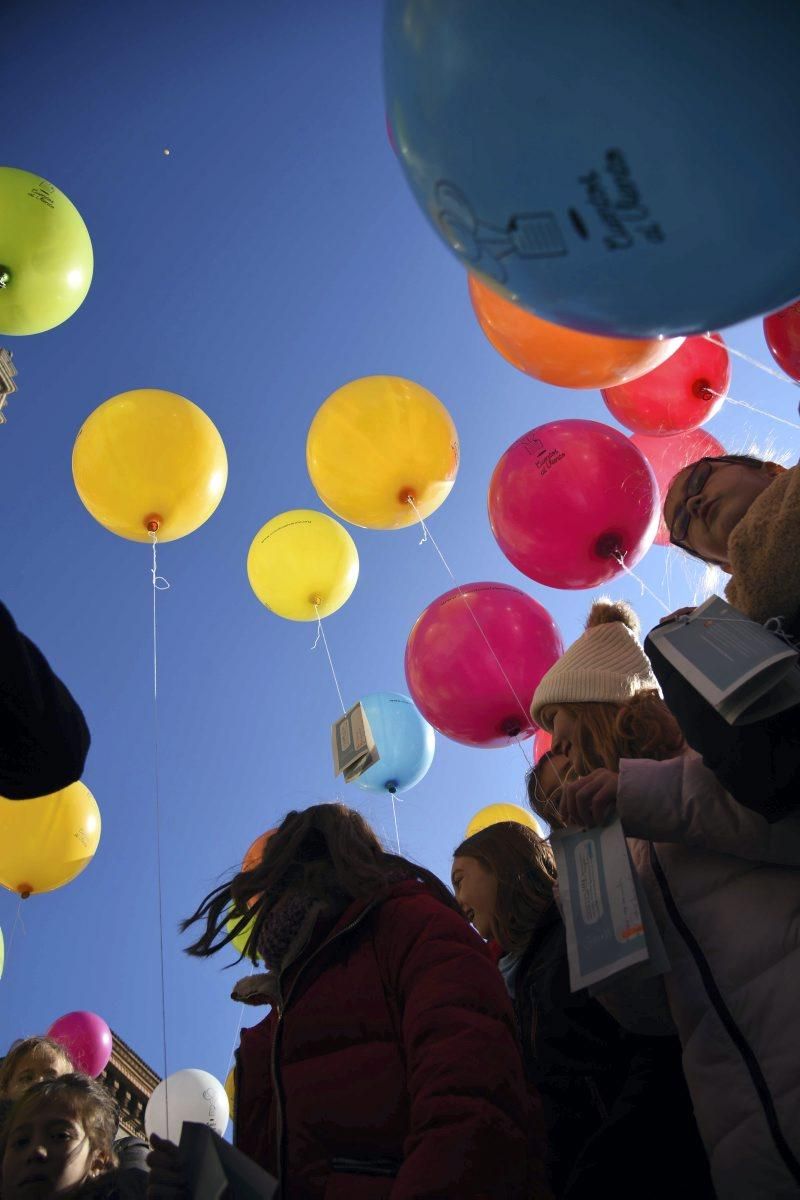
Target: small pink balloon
[(568, 498), (474, 659), (542, 742), (669, 455), (87, 1038)]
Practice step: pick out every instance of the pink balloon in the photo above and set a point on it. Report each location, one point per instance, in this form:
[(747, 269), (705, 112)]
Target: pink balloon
[(87, 1038), (474, 659), (681, 394), (668, 455), (542, 742), (568, 497)]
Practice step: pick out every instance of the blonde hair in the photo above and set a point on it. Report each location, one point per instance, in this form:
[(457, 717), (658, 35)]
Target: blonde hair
[(642, 727)]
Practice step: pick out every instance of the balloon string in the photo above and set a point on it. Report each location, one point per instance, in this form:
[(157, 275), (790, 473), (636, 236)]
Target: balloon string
[(621, 560), (159, 585), (429, 537), (236, 1035), (17, 921), (396, 827), (709, 337), (529, 761), (321, 634), (760, 411)]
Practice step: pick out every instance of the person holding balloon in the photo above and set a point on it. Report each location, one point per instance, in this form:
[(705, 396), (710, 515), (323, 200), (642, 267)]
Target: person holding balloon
[(743, 515), (724, 886), (611, 1098), (389, 1064)]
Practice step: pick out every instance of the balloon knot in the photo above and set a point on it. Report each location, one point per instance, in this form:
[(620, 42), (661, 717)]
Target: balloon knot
[(152, 524), (511, 727), (608, 545), (5, 276), (24, 891), (316, 600), (391, 787), (703, 390), (406, 495)]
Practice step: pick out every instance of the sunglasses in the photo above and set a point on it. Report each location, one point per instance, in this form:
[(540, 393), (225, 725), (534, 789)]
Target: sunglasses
[(694, 485)]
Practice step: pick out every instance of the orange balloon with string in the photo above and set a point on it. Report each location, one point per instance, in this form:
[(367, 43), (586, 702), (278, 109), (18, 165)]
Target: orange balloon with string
[(254, 857), (560, 356)]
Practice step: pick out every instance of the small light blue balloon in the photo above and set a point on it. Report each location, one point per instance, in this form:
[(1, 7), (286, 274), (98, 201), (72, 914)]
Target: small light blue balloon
[(405, 741)]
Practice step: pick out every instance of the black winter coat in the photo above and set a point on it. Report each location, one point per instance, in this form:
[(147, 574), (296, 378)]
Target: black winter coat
[(618, 1115), (44, 739)]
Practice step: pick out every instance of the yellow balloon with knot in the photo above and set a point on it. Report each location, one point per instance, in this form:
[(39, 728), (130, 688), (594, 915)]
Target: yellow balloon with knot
[(302, 565), (493, 814), (382, 452), (149, 462), (47, 842)]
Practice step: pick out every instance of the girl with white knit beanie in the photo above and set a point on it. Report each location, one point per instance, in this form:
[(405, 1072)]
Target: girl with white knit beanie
[(725, 889)]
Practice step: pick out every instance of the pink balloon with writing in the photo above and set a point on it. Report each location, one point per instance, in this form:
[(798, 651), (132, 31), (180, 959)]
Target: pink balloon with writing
[(474, 659), (570, 498)]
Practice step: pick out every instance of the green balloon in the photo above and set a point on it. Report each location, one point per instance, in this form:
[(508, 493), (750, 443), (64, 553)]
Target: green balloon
[(46, 259), (240, 941)]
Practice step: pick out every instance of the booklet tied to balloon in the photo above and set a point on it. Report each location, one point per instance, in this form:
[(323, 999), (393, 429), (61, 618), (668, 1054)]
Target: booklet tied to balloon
[(611, 932), (354, 749)]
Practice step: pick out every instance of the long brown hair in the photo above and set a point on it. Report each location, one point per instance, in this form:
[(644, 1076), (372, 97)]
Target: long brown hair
[(328, 852), (525, 870), (642, 727), (544, 806)]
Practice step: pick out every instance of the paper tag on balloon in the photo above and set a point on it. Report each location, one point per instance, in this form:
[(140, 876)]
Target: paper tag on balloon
[(354, 749)]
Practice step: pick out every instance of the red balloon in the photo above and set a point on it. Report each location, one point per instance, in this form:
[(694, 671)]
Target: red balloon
[(474, 659), (668, 455), (542, 742), (681, 394), (567, 498), (782, 331)]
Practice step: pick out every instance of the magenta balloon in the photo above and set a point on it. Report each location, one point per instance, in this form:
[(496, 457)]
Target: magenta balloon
[(456, 681), (87, 1038), (668, 455), (567, 497)]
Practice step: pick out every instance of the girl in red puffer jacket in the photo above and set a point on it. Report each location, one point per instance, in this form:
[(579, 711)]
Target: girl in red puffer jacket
[(388, 1065)]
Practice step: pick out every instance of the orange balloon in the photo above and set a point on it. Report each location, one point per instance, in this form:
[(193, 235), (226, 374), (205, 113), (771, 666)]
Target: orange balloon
[(561, 356), (254, 856)]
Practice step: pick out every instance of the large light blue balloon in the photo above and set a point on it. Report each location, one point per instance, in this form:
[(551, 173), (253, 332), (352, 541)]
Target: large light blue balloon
[(618, 166), (405, 741)]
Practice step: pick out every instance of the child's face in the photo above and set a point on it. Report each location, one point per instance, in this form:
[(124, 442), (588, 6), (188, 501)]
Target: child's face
[(476, 892), (47, 1153), (715, 510), (41, 1063)]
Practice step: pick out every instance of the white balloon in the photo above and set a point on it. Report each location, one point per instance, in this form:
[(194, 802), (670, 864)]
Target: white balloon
[(190, 1095)]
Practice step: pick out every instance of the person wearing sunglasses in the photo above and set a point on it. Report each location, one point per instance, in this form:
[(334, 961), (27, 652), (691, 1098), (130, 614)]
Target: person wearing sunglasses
[(743, 515)]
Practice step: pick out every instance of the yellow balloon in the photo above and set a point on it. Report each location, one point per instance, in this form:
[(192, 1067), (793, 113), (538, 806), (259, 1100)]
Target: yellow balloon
[(149, 461), (494, 813), (46, 257), (240, 940), (376, 442), (45, 843), (230, 1089), (302, 559)]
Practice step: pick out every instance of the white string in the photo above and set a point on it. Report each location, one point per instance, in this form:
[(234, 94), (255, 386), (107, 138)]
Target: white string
[(321, 634), (429, 537), (159, 585), (529, 761), (17, 921), (394, 814), (760, 411), (752, 361), (236, 1035), (621, 560)]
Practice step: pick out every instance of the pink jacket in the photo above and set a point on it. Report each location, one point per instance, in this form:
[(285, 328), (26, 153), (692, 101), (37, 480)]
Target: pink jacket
[(725, 889)]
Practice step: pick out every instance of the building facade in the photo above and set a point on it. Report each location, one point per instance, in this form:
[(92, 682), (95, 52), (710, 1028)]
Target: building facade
[(131, 1082)]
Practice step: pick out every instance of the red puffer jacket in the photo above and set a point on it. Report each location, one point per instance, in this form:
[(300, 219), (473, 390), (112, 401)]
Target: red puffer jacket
[(392, 1067)]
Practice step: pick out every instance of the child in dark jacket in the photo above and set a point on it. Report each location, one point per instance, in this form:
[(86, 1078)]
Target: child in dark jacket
[(614, 1102), (389, 1065)]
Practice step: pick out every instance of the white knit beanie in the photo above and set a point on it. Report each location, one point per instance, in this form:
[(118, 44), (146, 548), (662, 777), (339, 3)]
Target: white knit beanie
[(606, 664)]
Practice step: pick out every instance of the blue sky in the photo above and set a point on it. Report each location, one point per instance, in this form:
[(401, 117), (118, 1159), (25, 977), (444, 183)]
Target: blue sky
[(275, 254)]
